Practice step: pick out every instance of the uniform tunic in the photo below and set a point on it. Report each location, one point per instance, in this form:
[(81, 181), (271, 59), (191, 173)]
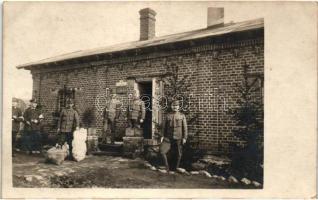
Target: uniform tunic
[(30, 115), (16, 119), (17, 113), (110, 115), (69, 119), (174, 130), (175, 126), (136, 110), (112, 110), (32, 128)]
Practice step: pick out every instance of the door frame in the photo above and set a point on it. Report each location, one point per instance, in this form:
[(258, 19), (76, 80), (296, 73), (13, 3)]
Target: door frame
[(157, 90)]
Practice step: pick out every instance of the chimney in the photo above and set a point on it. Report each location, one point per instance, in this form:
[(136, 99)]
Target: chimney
[(215, 17), (147, 24)]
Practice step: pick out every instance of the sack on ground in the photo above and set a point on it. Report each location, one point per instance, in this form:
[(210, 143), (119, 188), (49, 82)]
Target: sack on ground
[(165, 146), (57, 155), (79, 144)]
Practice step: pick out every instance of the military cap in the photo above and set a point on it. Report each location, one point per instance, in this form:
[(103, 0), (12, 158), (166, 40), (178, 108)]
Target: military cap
[(175, 103), (69, 101)]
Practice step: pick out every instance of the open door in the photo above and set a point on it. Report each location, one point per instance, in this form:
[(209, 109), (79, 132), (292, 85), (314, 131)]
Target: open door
[(150, 91), (157, 93), (145, 91)]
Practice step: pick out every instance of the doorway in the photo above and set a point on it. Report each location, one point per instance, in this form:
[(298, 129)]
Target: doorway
[(145, 91)]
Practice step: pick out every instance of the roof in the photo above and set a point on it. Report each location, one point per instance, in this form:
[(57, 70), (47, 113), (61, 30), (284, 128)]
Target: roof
[(190, 35)]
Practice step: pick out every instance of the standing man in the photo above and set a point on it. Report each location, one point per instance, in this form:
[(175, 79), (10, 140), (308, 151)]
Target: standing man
[(16, 119), (68, 122), (175, 133), (136, 111), (111, 114), (32, 119)]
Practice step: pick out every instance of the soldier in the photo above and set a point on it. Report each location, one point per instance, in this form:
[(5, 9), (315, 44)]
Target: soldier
[(136, 111), (111, 114), (68, 122), (16, 119), (32, 120), (175, 133)]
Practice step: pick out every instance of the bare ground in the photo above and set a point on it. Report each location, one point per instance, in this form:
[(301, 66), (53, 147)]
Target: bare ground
[(103, 171)]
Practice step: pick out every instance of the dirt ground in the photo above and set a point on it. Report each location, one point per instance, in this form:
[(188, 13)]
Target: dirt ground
[(105, 172)]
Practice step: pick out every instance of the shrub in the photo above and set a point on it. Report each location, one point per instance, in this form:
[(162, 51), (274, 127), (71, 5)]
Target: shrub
[(89, 118), (248, 157)]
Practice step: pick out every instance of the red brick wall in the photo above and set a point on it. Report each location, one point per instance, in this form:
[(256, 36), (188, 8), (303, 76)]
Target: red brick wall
[(212, 80)]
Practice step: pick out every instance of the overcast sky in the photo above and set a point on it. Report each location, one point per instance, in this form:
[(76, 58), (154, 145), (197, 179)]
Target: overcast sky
[(38, 30)]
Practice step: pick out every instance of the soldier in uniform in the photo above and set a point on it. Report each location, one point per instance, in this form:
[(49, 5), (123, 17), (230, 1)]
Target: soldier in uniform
[(68, 122), (175, 133), (16, 119), (110, 115), (32, 120), (135, 112)]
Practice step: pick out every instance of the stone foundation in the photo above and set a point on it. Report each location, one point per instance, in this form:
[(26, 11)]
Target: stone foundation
[(133, 132), (92, 143), (133, 146)]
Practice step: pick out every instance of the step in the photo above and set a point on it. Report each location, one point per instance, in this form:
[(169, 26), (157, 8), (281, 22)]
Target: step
[(111, 147), (106, 153)]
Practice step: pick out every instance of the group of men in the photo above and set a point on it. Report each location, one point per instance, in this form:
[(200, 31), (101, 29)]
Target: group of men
[(30, 124), (174, 133), (32, 121), (135, 115)]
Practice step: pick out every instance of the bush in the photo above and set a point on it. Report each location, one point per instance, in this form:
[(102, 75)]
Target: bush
[(89, 118), (191, 154), (248, 157)]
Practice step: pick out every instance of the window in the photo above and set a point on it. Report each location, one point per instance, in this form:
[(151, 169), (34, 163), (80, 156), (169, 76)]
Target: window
[(256, 80), (63, 95)]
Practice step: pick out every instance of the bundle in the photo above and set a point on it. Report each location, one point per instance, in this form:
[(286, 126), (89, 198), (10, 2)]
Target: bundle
[(79, 144)]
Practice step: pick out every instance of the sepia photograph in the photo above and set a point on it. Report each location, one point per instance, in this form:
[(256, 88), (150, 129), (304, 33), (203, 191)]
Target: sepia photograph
[(185, 109), (136, 95)]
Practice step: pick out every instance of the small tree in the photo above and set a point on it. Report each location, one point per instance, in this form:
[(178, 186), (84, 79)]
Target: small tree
[(248, 114), (177, 88)]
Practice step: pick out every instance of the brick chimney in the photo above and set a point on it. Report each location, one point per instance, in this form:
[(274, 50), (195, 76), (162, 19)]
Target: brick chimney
[(215, 17), (147, 24)]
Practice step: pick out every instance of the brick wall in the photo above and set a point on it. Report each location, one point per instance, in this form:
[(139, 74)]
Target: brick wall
[(216, 89), (213, 71)]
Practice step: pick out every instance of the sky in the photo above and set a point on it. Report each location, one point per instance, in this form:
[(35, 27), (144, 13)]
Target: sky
[(39, 30)]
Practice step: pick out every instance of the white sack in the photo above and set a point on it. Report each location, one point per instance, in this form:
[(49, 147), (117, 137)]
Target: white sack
[(57, 154), (79, 144)]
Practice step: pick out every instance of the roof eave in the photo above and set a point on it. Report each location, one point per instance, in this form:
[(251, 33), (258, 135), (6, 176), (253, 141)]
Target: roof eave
[(29, 67)]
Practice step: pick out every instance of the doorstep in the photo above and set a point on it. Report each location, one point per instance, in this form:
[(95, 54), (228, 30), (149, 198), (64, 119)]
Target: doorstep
[(150, 142)]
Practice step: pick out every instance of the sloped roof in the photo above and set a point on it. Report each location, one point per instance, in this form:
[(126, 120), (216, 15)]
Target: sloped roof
[(190, 35)]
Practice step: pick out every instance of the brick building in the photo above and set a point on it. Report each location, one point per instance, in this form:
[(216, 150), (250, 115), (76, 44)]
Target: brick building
[(211, 58)]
